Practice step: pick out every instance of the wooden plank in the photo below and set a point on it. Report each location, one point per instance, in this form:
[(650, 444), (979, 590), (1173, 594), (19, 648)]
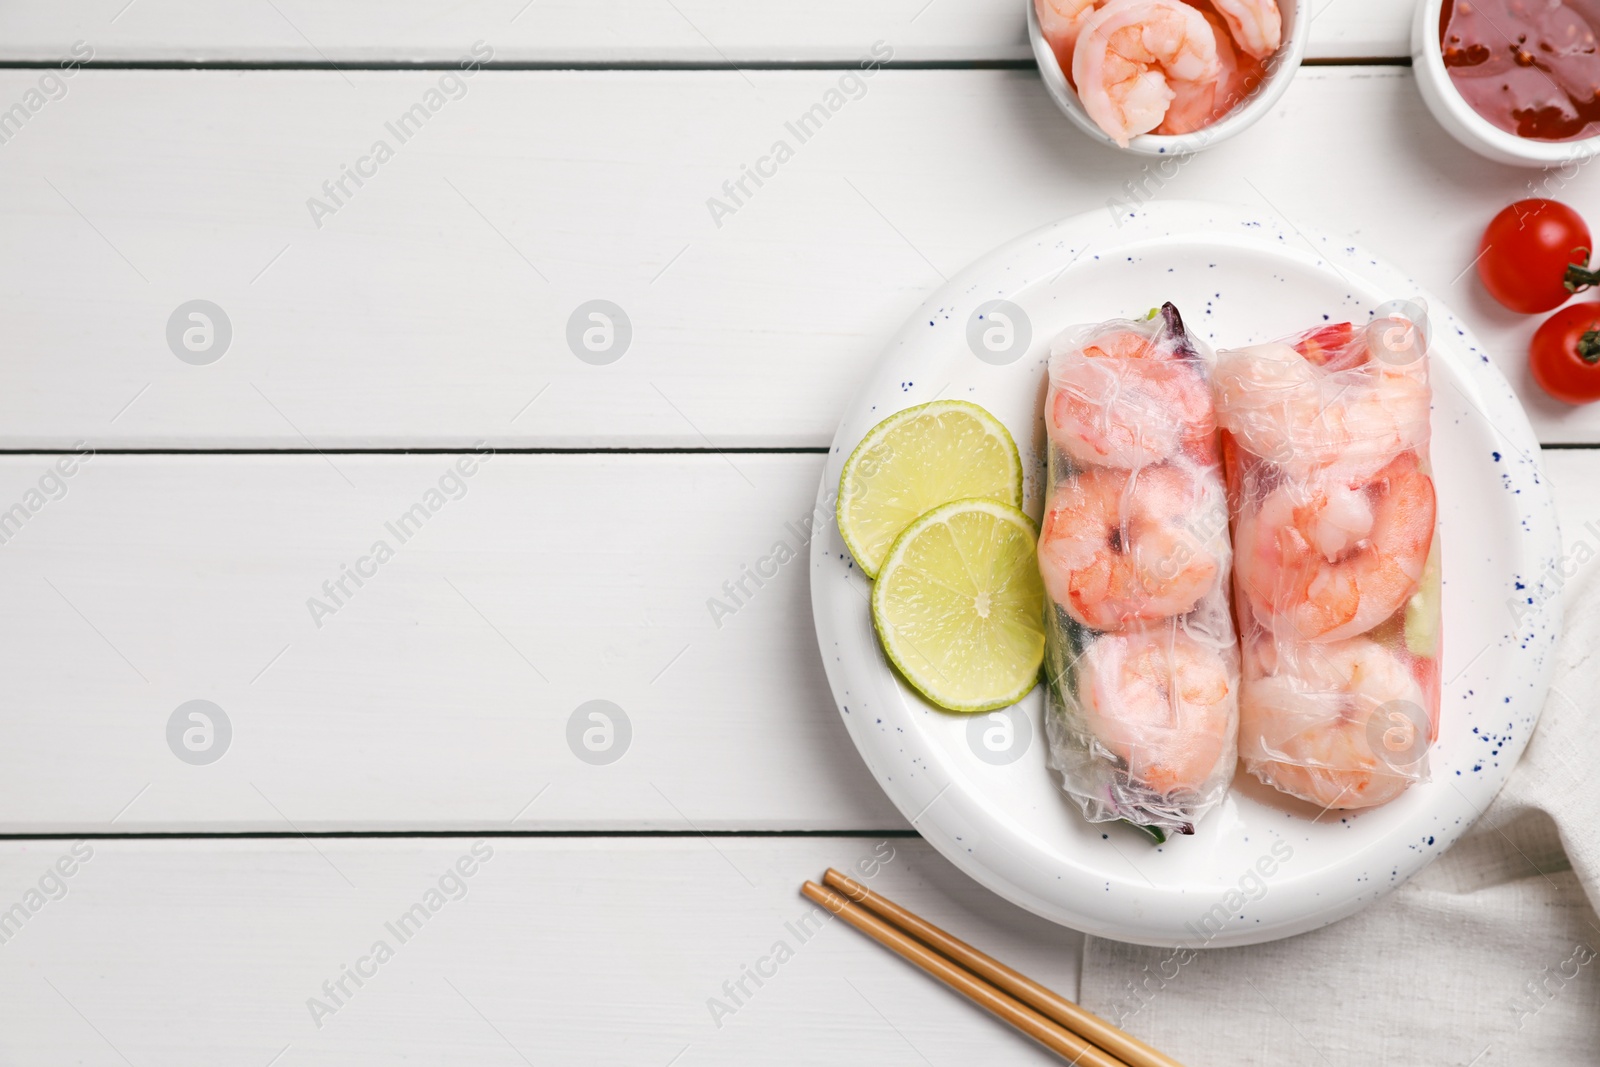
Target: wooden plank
[(572, 31), (440, 693), (550, 951), (432, 308)]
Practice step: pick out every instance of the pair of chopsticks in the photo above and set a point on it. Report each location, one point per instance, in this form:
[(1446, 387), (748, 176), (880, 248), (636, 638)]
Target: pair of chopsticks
[(1058, 1024)]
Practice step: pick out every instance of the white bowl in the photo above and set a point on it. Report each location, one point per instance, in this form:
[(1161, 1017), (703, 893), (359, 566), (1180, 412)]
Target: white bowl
[(1280, 68), (1466, 125)]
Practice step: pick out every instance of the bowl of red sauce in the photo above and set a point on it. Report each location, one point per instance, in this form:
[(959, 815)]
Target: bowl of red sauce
[(1517, 81)]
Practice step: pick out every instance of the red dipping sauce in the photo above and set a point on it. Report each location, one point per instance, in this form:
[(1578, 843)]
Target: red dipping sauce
[(1531, 67)]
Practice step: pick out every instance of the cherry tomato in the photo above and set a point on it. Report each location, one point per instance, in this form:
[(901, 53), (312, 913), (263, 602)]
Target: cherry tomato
[(1565, 354), (1534, 255)]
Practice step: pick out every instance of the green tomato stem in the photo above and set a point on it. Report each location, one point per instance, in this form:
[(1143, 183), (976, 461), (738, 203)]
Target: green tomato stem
[(1579, 277), (1589, 346)]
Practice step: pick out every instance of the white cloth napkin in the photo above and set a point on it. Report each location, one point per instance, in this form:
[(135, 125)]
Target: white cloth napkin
[(1489, 957)]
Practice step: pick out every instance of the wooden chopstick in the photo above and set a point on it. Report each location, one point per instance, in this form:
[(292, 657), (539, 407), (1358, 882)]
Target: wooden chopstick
[(1047, 1032), (1085, 1024)]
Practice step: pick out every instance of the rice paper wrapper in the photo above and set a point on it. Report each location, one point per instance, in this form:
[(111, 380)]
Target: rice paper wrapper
[(1337, 572), (1141, 662)]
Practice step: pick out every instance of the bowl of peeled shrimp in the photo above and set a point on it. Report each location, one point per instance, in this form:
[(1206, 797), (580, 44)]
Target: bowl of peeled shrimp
[(1166, 77)]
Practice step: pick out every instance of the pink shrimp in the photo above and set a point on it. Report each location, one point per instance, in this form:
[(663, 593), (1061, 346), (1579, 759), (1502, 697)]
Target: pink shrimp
[(1128, 402), (1131, 58), (1117, 547), (1333, 556), (1342, 725), (1060, 21), (1257, 25), (1337, 394), (1196, 105), (1161, 702)]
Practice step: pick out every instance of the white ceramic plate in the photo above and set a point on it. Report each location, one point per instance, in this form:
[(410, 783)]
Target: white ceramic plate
[(1258, 868)]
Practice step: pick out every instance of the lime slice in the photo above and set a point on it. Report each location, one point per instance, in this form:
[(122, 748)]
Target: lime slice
[(915, 460), (959, 605)]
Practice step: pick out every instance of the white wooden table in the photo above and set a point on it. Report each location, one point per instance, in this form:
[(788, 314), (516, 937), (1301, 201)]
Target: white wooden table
[(420, 718)]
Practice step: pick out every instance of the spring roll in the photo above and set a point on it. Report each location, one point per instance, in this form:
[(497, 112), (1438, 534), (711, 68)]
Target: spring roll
[(1337, 573), (1142, 660)]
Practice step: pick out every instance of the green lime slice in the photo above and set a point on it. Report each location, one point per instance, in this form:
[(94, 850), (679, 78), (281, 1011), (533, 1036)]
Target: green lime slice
[(915, 460), (959, 605)]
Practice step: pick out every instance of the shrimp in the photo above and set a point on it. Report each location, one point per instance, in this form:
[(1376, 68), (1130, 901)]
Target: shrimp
[(1256, 24), (1196, 105), (1117, 545), (1162, 703), (1332, 557), (1129, 402), (1060, 21), (1336, 395), (1390, 416), (1342, 725), (1131, 58)]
